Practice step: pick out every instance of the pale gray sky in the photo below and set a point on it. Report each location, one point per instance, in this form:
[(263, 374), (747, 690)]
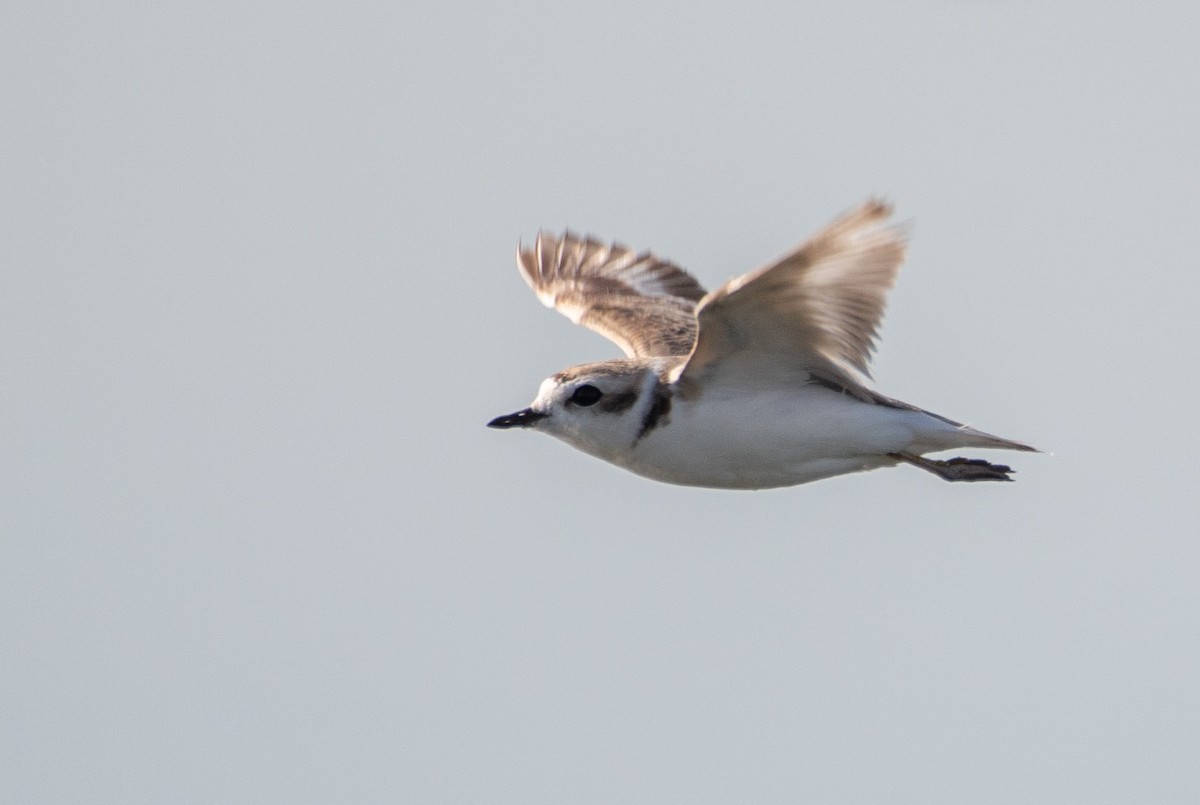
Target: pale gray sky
[(256, 544)]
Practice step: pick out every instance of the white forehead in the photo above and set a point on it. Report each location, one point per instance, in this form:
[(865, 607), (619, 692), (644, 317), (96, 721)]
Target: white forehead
[(546, 390)]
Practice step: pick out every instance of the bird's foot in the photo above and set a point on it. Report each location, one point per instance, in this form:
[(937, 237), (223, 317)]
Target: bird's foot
[(958, 469)]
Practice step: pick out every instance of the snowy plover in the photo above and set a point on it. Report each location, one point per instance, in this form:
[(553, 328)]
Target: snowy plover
[(757, 384)]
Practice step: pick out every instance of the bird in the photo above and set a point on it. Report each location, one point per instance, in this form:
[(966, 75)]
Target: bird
[(761, 383)]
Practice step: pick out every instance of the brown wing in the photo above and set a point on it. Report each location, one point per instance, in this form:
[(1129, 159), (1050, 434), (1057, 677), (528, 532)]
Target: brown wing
[(643, 304), (814, 311)]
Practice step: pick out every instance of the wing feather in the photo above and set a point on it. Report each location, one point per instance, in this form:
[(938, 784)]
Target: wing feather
[(642, 303), (814, 311)]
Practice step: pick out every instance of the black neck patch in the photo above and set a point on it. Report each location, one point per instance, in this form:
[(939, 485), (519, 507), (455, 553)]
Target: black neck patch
[(659, 412)]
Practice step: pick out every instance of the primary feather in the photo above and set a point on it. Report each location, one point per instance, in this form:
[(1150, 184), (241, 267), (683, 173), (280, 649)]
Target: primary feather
[(642, 303)]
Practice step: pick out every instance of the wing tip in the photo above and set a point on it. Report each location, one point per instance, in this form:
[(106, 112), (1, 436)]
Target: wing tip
[(878, 206), (871, 213)]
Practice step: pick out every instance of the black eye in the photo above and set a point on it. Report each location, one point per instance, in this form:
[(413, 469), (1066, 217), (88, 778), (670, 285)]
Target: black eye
[(586, 395)]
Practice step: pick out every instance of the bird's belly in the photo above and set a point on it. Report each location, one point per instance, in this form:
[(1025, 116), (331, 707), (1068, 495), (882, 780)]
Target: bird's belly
[(770, 441)]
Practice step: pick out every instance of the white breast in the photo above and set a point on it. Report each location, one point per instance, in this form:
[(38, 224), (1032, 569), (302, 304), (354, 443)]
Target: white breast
[(778, 438)]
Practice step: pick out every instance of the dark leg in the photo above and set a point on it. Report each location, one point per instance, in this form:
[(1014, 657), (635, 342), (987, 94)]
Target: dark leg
[(957, 469)]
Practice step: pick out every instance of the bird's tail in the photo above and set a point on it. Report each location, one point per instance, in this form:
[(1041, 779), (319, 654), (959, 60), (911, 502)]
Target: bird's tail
[(966, 436)]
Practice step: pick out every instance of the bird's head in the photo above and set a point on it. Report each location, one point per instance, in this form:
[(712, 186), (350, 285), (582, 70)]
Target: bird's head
[(599, 408)]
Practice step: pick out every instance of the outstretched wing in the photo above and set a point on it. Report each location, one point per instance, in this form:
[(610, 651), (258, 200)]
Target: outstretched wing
[(643, 304), (814, 312)]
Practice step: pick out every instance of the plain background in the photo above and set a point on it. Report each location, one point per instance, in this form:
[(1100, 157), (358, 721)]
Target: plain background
[(258, 301)]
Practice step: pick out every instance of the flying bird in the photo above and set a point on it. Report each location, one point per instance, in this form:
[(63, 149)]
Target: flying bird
[(760, 383)]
